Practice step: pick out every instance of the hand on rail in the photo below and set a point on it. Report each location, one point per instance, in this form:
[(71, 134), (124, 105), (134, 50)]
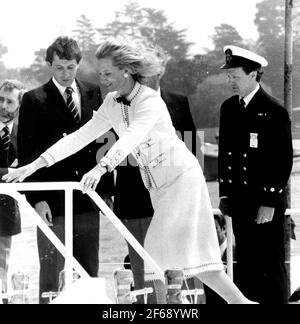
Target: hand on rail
[(91, 179), (19, 175), (265, 215), (43, 209)]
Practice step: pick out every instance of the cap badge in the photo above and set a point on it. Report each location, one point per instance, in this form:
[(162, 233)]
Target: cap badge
[(228, 54)]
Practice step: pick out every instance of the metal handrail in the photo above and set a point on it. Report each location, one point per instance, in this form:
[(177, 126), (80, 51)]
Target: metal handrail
[(67, 250)]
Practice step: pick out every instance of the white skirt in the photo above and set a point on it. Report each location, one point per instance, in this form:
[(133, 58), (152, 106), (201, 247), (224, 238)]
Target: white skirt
[(182, 232)]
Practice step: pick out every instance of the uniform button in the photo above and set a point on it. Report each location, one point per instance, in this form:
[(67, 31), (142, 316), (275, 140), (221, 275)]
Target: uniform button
[(265, 189), (281, 191), (229, 153), (244, 155), (244, 168), (229, 181), (221, 180), (245, 183), (272, 189), (64, 134), (76, 172), (229, 168)]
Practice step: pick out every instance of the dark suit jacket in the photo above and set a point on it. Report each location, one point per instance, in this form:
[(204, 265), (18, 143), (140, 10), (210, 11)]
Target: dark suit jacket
[(10, 222), (258, 170), (182, 119), (44, 119), (132, 199)]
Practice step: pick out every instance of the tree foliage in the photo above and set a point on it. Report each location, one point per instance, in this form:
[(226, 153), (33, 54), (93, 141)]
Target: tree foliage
[(197, 77), (148, 24), (225, 35), (207, 99), (3, 50), (270, 25), (38, 70), (85, 35)]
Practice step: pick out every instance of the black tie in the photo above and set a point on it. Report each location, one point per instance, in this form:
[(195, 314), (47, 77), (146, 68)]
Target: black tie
[(123, 100), (242, 102), (71, 104), (5, 143)]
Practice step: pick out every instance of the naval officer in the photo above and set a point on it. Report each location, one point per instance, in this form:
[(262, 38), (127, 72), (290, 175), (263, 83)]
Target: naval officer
[(255, 162)]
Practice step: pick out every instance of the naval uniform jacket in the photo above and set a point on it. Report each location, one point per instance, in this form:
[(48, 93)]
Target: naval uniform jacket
[(10, 221), (255, 150), (144, 128), (44, 119)]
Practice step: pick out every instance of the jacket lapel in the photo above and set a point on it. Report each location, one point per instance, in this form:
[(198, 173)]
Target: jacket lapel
[(256, 103), (13, 152), (86, 111)]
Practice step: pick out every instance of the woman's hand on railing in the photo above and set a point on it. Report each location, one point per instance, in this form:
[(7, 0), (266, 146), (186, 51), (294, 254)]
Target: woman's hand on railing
[(19, 175), (91, 179)]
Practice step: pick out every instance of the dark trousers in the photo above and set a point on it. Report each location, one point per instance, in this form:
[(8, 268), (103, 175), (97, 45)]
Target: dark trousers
[(138, 228), (260, 271), (86, 250)]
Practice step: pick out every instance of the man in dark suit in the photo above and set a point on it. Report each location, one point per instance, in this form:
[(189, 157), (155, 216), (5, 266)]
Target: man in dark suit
[(11, 92), (134, 206), (47, 113), (255, 162)]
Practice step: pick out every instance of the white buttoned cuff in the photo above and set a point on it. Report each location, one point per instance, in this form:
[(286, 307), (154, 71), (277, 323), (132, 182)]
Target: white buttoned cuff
[(48, 158)]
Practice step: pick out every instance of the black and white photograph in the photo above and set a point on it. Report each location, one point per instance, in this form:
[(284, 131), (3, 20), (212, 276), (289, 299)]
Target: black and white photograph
[(150, 155)]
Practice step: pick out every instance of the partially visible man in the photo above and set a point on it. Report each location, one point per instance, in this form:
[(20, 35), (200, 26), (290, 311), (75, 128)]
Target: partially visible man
[(255, 163), (47, 113), (11, 92), (134, 206)]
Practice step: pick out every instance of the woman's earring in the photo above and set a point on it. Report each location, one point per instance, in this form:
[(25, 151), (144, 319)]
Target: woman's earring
[(125, 75)]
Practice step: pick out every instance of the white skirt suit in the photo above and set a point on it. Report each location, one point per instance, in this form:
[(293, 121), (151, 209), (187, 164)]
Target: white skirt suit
[(182, 232)]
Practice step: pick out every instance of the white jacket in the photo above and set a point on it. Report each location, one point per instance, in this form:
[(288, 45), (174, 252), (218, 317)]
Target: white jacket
[(145, 130)]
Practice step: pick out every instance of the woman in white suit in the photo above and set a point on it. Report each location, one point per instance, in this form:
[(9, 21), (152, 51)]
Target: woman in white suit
[(182, 233)]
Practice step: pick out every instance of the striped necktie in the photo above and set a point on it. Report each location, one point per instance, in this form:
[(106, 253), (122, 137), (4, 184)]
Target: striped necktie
[(5, 143), (242, 102), (71, 104)]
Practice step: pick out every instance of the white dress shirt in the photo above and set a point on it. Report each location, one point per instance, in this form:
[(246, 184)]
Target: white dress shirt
[(248, 98)]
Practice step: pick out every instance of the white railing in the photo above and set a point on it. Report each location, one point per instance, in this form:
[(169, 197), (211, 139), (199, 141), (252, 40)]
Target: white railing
[(66, 250)]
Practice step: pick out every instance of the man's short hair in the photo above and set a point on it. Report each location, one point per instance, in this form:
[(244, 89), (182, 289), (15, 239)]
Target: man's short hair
[(65, 48), (10, 85)]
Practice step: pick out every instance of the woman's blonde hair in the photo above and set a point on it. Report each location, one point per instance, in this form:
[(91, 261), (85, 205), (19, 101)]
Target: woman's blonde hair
[(140, 58)]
